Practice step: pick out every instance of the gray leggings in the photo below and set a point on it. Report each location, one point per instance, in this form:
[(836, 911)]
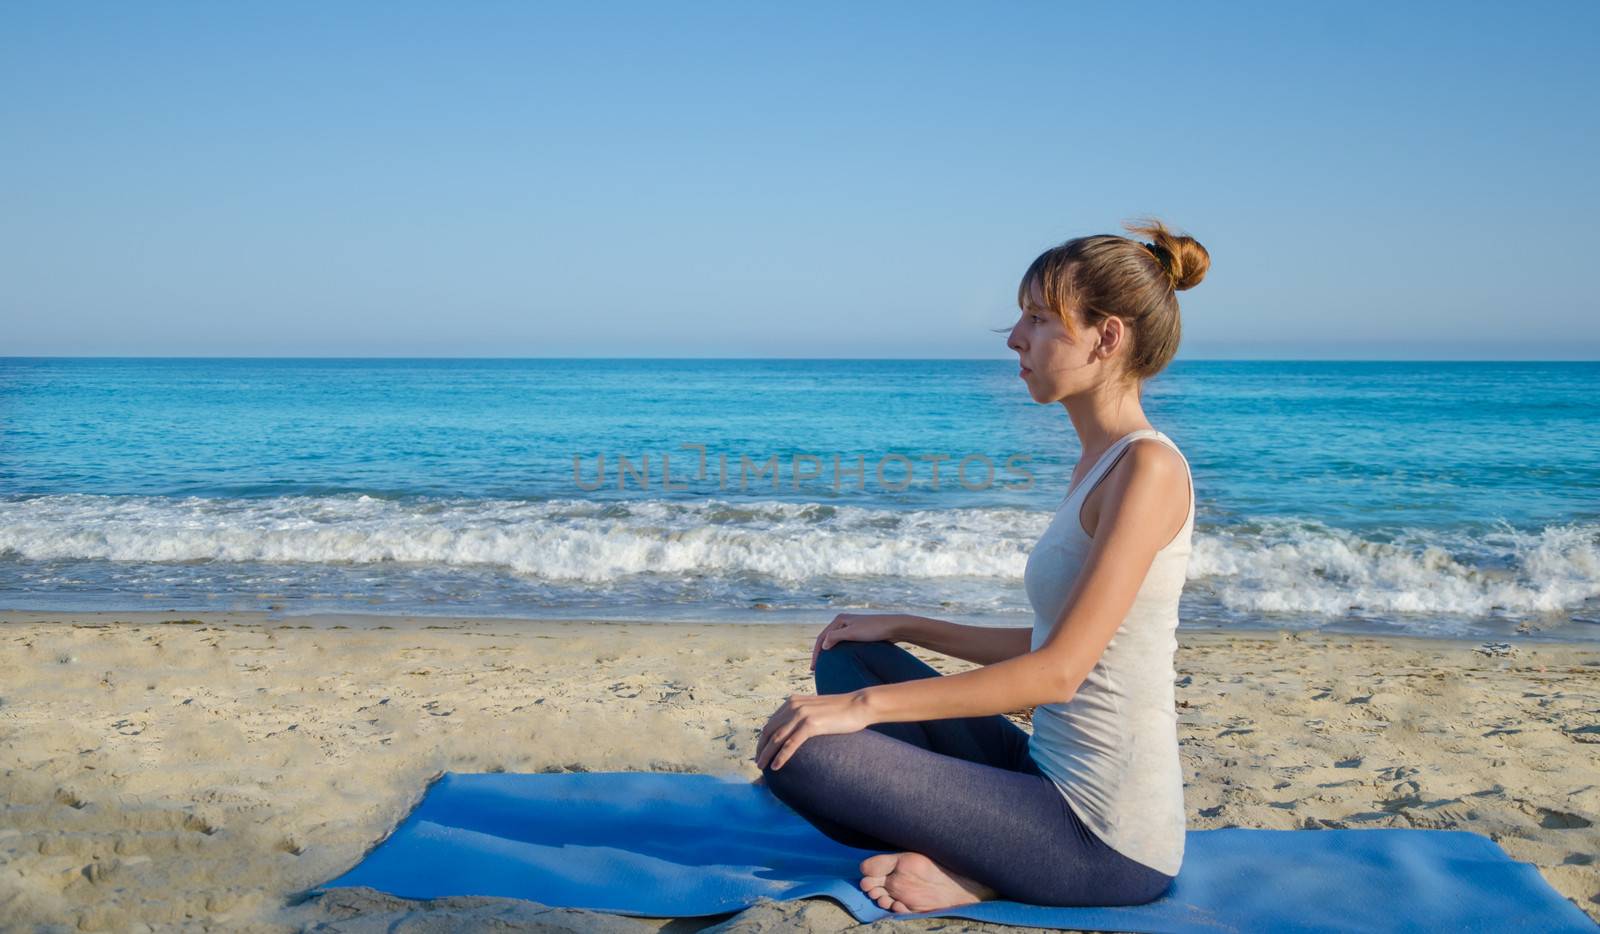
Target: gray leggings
[(963, 792)]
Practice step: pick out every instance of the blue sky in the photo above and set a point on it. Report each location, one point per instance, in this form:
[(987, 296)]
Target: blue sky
[(751, 179)]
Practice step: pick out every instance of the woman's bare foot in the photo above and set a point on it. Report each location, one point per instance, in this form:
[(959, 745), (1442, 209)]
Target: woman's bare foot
[(903, 882)]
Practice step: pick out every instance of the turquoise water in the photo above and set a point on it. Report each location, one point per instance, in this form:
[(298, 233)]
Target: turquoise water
[(1430, 498)]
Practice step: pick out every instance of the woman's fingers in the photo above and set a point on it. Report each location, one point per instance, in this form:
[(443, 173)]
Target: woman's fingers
[(829, 637), (822, 638), (769, 734), (775, 745), (792, 743), (774, 752), (773, 722)]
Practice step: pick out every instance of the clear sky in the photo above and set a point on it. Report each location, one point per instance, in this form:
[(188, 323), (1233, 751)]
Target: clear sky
[(1373, 180)]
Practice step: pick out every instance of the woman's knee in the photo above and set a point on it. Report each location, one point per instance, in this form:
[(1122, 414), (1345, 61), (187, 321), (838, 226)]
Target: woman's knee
[(851, 665), (878, 647), (840, 669), (816, 762), (852, 648)]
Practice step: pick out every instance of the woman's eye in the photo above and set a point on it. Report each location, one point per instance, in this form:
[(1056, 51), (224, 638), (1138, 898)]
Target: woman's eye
[(1036, 319)]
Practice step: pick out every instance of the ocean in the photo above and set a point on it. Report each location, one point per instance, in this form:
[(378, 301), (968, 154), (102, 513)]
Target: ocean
[(1434, 499)]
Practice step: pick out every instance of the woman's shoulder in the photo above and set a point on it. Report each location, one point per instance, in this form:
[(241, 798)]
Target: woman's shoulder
[(1152, 479), (1154, 460)]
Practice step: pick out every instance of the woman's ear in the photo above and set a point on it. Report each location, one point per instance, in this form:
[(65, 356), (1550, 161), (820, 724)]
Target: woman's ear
[(1112, 334)]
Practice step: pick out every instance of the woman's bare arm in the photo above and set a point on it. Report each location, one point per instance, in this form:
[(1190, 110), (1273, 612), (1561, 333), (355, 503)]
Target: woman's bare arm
[(982, 644), (1143, 512)]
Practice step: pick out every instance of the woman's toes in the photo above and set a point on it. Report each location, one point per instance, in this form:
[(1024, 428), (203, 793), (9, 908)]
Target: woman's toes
[(899, 907), (885, 902), (868, 883)]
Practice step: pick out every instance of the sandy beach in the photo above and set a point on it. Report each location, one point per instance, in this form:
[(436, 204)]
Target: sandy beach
[(164, 771)]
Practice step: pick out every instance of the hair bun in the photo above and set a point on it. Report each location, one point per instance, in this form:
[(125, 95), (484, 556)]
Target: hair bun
[(1182, 257)]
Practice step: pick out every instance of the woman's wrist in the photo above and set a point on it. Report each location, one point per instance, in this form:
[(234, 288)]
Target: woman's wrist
[(907, 628), (862, 701)]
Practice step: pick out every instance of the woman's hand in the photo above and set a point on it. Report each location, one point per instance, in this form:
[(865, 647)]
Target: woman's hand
[(804, 716), (856, 627)]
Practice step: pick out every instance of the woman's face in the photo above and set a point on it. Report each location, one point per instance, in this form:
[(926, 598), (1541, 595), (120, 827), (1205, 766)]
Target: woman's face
[(1055, 364)]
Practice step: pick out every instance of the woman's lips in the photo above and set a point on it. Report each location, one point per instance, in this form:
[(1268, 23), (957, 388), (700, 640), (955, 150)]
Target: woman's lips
[(1024, 372)]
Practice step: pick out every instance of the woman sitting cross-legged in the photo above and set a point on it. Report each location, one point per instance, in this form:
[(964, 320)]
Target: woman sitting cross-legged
[(1088, 809)]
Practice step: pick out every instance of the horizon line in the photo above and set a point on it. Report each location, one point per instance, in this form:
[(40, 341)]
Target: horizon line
[(1198, 359)]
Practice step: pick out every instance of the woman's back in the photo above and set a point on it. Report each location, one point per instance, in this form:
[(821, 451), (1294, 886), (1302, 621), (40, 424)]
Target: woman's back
[(1112, 749)]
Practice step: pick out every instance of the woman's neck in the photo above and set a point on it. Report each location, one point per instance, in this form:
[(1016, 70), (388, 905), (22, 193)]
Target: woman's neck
[(1105, 414)]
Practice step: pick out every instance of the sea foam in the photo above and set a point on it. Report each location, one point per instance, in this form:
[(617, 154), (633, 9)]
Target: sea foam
[(1280, 566)]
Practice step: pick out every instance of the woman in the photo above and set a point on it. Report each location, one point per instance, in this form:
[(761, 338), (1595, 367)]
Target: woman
[(1088, 810)]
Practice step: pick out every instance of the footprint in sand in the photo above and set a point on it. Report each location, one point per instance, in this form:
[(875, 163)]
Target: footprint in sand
[(1554, 820)]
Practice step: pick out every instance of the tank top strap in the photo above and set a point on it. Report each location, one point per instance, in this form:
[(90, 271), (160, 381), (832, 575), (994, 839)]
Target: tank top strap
[(1109, 458)]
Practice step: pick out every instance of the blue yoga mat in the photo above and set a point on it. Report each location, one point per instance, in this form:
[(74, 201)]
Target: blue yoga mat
[(675, 845)]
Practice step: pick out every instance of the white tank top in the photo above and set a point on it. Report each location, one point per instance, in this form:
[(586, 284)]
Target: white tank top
[(1112, 749)]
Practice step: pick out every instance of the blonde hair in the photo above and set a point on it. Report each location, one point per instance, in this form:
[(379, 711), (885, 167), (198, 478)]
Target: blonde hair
[(1105, 275)]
